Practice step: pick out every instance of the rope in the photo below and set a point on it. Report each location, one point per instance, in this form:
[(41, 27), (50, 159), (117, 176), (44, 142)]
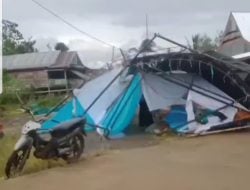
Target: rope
[(71, 25)]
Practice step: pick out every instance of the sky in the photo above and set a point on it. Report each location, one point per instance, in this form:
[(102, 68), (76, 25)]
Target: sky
[(121, 23)]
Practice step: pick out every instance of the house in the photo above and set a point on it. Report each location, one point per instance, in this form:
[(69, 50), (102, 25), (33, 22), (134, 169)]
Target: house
[(48, 70), (236, 38)]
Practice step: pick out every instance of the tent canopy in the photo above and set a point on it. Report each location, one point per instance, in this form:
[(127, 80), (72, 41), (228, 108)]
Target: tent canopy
[(211, 84), (116, 108)]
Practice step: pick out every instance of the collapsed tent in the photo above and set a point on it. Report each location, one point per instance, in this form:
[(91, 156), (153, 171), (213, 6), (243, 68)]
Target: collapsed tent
[(229, 75), (198, 93), (113, 111), (117, 107)]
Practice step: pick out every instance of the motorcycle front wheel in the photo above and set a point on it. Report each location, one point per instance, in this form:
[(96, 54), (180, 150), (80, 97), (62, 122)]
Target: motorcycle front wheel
[(16, 162), (77, 147)]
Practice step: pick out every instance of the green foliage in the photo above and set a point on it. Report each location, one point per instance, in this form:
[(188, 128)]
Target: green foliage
[(205, 43), (44, 105), (10, 87), (60, 46), (49, 101), (13, 41)]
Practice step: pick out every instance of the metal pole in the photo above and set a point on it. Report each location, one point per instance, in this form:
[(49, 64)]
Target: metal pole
[(199, 87), (176, 43), (112, 57), (204, 54), (146, 26), (58, 105), (116, 77), (124, 57), (199, 92), (190, 49)]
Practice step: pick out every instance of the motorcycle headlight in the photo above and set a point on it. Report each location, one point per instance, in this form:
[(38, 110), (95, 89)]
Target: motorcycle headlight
[(29, 126)]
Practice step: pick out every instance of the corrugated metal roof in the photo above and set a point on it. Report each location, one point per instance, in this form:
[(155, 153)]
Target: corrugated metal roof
[(52, 59), (243, 22), (65, 59), (30, 60)]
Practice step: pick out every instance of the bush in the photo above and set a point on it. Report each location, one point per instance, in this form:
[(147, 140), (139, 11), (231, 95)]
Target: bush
[(10, 87)]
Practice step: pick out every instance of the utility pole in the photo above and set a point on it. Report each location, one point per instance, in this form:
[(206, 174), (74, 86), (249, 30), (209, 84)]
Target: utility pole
[(146, 26)]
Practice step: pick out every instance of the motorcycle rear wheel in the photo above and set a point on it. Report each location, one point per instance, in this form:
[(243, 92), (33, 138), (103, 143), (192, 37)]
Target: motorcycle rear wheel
[(77, 145), (16, 162)]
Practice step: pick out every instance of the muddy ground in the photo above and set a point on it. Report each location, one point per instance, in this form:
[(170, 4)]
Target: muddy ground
[(138, 162)]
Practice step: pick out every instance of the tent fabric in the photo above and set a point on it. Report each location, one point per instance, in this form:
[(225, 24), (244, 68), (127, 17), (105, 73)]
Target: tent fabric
[(69, 111), (162, 94), (120, 101), (83, 98), (122, 113), (115, 109), (166, 92), (88, 93), (177, 118), (208, 103)]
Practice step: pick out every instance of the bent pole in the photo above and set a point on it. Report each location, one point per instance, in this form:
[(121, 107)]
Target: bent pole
[(197, 91), (190, 49), (116, 77), (204, 54), (176, 43), (194, 85)]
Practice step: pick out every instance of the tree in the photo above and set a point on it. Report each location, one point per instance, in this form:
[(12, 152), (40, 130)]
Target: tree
[(147, 46), (13, 41), (60, 46), (205, 43)]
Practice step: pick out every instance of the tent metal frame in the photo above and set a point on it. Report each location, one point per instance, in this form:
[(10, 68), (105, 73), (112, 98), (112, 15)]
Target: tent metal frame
[(190, 87), (181, 83), (206, 55), (134, 61)]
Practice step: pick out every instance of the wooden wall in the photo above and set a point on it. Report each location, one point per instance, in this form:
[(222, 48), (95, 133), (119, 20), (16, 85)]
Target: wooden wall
[(36, 79)]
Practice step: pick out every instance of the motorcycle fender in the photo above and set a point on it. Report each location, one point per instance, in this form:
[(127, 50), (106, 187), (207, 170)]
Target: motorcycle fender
[(24, 140)]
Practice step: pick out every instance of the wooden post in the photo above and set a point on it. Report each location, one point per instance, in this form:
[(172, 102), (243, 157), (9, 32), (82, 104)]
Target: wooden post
[(48, 82), (66, 80)]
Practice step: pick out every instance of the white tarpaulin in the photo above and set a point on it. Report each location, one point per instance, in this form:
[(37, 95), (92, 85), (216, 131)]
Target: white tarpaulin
[(222, 104), (88, 93), (160, 94)]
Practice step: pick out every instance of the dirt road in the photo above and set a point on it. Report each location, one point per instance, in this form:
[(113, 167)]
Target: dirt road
[(217, 162)]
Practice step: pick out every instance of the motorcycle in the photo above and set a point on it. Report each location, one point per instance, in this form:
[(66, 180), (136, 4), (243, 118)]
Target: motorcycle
[(66, 141)]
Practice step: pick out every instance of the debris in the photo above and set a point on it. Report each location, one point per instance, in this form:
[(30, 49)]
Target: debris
[(196, 95)]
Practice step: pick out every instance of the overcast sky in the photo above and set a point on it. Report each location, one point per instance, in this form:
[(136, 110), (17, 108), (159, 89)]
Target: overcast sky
[(121, 23)]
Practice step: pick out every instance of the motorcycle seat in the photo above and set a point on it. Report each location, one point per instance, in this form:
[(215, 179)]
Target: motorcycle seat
[(67, 127)]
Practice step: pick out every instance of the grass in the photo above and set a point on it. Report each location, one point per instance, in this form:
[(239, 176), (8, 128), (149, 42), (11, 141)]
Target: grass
[(33, 164), (49, 101), (11, 112), (6, 147)]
